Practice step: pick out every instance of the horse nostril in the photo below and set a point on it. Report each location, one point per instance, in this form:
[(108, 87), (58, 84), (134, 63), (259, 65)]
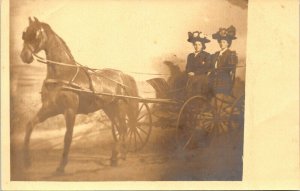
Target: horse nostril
[(26, 57), (29, 60)]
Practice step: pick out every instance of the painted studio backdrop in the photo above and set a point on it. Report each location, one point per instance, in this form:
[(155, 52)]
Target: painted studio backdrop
[(150, 42)]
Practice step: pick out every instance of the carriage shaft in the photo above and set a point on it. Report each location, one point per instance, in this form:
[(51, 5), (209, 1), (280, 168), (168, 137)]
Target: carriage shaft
[(140, 99)]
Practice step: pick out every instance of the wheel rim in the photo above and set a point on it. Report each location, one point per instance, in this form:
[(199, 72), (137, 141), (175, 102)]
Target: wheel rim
[(138, 131), (206, 120), (222, 112), (237, 113), (188, 120)]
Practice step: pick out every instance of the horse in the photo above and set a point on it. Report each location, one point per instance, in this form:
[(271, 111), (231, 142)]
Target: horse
[(56, 100)]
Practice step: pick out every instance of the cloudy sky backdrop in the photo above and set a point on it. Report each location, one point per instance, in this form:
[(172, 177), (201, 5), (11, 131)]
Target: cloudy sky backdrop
[(129, 35)]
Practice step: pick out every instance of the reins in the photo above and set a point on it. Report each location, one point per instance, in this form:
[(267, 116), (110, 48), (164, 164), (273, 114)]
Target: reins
[(78, 66), (46, 61)]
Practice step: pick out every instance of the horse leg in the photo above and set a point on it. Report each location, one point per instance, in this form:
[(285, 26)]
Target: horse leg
[(111, 111), (119, 146), (123, 135), (41, 116), (70, 116), (30, 125), (116, 146), (118, 117)]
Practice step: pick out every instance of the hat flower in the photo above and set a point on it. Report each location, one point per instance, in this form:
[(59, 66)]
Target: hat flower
[(201, 35), (223, 32), (196, 34)]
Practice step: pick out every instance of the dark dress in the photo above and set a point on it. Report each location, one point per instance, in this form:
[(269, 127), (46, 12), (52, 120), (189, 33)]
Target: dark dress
[(200, 65), (221, 79)]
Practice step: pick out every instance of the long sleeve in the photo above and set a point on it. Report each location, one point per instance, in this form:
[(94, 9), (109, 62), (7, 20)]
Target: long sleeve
[(233, 59), (188, 67), (209, 62)]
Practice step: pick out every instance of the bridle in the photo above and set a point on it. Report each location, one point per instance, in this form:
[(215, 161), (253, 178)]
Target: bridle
[(37, 34)]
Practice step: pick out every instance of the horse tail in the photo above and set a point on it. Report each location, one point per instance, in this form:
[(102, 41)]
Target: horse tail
[(131, 89), (131, 86)]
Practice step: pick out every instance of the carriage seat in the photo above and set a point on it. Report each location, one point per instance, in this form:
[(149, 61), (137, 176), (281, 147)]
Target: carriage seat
[(160, 86)]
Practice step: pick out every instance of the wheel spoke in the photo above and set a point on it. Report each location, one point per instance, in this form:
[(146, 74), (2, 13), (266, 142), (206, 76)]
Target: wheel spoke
[(207, 115), (142, 116), (129, 142), (117, 134), (141, 108), (205, 126), (206, 122), (224, 127), (130, 136), (216, 105), (224, 118), (221, 105), (142, 130), (134, 141), (140, 137), (195, 113), (210, 128)]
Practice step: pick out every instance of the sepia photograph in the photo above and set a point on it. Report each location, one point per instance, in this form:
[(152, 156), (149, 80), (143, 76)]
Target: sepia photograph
[(144, 94), (99, 94)]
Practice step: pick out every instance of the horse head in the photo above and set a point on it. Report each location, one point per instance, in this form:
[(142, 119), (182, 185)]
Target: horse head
[(34, 38)]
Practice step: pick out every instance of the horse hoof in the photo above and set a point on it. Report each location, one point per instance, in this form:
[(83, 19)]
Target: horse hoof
[(59, 171), (113, 162)]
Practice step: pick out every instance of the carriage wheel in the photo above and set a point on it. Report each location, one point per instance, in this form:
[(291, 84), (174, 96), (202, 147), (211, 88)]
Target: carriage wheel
[(195, 113), (222, 105), (237, 113), (138, 132)]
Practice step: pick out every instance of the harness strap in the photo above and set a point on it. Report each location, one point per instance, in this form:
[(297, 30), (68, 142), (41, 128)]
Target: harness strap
[(74, 77), (65, 82), (90, 79)]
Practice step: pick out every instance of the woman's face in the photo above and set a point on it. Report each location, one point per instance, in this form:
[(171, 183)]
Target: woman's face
[(223, 44), (198, 46)]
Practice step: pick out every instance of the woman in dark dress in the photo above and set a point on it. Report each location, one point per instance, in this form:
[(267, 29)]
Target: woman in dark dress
[(224, 62), (198, 65)]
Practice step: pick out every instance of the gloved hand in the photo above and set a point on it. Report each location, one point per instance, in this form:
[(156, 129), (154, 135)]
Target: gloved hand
[(191, 74)]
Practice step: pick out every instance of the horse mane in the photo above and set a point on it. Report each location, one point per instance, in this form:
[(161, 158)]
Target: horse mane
[(65, 46)]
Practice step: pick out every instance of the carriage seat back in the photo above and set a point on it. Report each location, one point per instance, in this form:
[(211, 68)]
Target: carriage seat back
[(160, 86)]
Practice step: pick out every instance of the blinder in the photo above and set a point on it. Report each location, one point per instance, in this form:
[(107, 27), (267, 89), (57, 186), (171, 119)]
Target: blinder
[(28, 37)]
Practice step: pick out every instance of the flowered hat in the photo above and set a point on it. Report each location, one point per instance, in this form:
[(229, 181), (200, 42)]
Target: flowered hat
[(197, 36), (225, 34)]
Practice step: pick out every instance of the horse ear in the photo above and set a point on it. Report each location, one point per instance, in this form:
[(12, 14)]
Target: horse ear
[(30, 20), (35, 19)]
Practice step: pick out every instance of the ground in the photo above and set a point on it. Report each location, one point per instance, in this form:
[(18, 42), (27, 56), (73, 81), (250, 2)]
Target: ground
[(221, 159)]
